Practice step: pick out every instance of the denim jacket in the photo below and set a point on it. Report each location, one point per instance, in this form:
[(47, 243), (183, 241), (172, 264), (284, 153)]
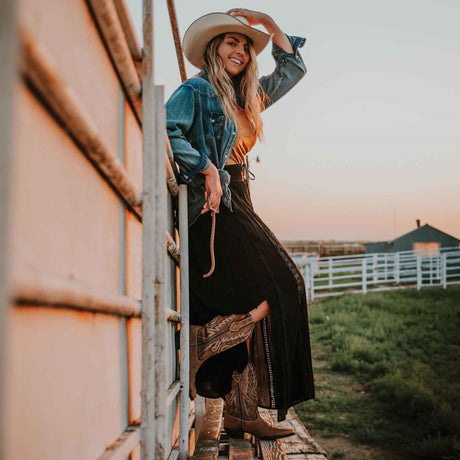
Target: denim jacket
[(199, 132)]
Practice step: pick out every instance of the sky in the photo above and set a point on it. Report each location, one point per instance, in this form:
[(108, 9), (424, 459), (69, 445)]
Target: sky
[(369, 140)]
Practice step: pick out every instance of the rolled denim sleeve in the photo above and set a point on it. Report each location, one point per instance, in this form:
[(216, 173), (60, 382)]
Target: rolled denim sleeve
[(180, 114), (289, 70)]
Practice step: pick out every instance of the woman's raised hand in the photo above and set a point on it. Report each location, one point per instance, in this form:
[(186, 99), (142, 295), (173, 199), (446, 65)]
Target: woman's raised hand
[(253, 17), (256, 17), (213, 192)]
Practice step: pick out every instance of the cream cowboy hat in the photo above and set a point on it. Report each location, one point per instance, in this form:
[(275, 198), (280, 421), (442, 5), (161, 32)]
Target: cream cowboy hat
[(205, 28)]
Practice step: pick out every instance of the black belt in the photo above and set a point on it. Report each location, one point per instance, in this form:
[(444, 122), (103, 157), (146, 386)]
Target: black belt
[(239, 173)]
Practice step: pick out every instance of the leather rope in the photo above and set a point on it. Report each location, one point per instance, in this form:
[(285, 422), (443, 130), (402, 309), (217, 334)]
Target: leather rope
[(251, 176), (211, 241)]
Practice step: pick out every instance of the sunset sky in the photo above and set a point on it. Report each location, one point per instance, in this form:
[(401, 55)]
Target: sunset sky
[(369, 140)]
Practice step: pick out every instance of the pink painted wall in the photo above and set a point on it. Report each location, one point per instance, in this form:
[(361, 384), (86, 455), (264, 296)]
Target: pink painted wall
[(63, 384), (71, 375)]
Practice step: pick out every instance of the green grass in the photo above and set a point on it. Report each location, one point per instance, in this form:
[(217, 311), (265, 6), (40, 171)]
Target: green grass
[(390, 371)]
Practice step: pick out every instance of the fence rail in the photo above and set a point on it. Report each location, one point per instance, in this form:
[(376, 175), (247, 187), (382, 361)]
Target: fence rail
[(326, 276)]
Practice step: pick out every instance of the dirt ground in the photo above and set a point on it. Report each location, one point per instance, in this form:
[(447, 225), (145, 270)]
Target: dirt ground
[(342, 448)]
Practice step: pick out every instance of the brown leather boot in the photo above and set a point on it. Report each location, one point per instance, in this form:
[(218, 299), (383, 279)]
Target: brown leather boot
[(241, 413), (220, 334)]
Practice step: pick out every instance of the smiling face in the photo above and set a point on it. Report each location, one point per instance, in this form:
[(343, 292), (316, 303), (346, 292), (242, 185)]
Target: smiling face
[(234, 52)]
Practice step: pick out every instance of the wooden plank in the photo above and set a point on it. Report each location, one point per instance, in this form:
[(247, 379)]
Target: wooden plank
[(207, 446), (240, 449), (302, 435), (307, 457), (271, 450), (199, 409), (299, 446)]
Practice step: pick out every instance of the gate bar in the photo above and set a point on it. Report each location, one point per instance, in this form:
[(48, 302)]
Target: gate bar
[(173, 250), (117, 45), (123, 446), (149, 227), (176, 37), (128, 29), (184, 325), (38, 288)]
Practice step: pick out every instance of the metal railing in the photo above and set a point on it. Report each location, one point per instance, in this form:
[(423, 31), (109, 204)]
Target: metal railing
[(326, 276), (159, 395)]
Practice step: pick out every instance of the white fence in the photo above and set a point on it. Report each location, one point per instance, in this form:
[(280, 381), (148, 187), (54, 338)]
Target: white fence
[(326, 276)]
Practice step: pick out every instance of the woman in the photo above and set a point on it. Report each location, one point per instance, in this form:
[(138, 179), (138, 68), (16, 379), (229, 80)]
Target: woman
[(249, 333)]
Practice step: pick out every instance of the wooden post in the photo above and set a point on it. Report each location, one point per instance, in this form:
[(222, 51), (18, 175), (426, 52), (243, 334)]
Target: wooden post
[(375, 262), (312, 281), (184, 325), (306, 278), (330, 273), (444, 270), (8, 75), (419, 271), (364, 275), (396, 268), (431, 269), (386, 266)]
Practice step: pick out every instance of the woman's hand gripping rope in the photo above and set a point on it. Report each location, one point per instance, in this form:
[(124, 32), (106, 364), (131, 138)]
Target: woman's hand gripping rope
[(213, 195)]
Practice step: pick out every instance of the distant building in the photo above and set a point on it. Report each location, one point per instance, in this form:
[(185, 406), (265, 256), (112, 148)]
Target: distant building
[(324, 248), (425, 238)]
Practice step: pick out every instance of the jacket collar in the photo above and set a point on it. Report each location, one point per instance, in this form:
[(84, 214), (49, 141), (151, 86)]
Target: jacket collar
[(204, 74)]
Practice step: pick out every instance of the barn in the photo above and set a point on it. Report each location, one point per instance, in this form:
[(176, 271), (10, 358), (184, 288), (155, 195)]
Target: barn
[(424, 238)]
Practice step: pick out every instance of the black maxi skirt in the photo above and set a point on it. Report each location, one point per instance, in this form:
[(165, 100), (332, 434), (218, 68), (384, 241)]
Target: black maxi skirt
[(251, 266)]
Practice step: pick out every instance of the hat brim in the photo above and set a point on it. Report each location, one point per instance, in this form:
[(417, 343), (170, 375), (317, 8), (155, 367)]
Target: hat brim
[(205, 28)]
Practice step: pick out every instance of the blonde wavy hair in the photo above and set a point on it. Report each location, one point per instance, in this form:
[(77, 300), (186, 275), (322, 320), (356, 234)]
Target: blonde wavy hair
[(241, 91)]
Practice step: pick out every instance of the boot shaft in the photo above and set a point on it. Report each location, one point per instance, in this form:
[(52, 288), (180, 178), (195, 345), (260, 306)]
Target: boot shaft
[(242, 400), (241, 412)]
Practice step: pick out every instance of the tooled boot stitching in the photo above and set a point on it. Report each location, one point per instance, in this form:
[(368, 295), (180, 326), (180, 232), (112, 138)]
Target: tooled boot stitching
[(219, 344), (243, 396), (218, 335), (210, 344)]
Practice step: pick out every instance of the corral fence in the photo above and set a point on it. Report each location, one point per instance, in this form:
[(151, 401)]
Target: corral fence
[(326, 276)]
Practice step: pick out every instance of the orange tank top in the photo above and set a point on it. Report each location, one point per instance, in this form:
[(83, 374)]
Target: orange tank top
[(245, 139)]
